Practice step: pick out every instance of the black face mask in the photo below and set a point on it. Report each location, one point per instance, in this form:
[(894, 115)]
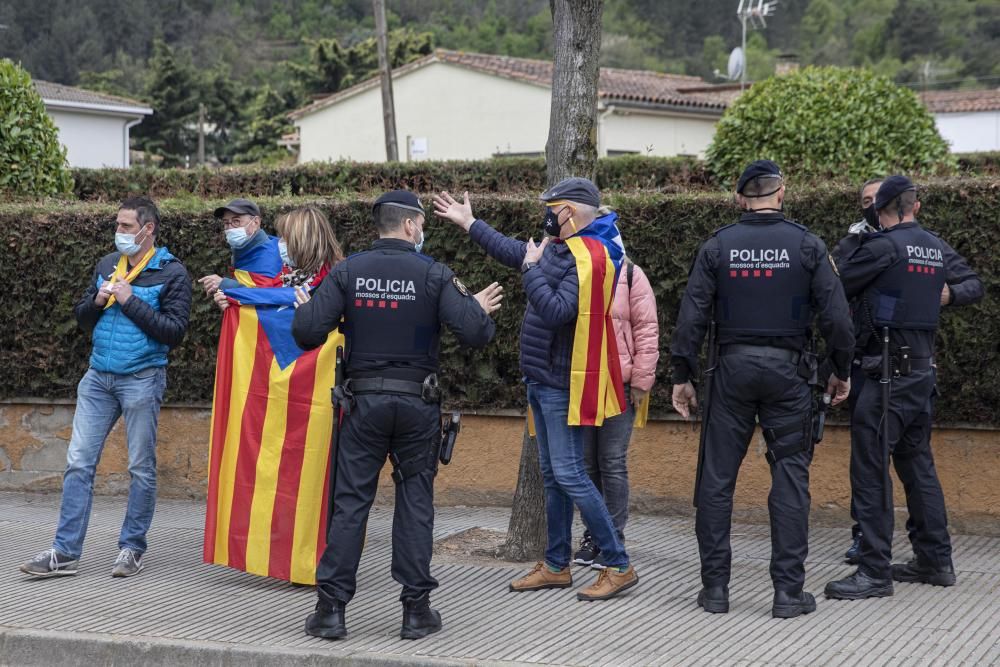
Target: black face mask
[(871, 216), (551, 224)]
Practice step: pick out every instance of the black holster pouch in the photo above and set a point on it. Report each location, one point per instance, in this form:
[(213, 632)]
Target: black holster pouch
[(343, 398), (809, 367), (449, 434), (775, 453)]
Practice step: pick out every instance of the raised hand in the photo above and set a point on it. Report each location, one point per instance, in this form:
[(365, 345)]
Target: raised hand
[(490, 298), (532, 252), (459, 213)]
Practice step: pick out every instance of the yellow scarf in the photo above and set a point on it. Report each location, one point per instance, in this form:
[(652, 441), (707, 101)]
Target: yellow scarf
[(123, 273)]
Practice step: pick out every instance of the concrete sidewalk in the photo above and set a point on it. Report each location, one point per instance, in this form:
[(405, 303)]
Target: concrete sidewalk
[(181, 612)]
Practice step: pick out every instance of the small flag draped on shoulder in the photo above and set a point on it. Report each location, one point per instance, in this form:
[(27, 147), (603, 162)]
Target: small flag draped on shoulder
[(596, 389)]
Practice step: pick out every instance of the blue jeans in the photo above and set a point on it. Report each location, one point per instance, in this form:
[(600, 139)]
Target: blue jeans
[(100, 399), (560, 453), (605, 457)]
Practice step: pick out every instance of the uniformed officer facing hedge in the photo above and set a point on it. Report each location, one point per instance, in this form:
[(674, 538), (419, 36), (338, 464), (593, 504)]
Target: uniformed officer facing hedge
[(393, 301), (898, 276), (765, 278)]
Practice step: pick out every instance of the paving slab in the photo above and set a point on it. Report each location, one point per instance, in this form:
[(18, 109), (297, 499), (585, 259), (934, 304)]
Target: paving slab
[(179, 611)]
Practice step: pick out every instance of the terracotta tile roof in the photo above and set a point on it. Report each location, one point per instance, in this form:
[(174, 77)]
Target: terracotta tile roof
[(615, 85), (961, 101), (60, 93)]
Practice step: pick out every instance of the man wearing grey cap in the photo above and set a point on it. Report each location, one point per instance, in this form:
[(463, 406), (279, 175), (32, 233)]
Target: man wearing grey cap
[(254, 251), (559, 356)]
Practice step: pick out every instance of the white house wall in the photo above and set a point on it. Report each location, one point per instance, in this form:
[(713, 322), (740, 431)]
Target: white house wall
[(463, 114), (91, 140), (650, 133), (970, 132)]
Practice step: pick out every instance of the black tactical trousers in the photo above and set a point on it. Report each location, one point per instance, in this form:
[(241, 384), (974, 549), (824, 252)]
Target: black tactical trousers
[(910, 412), (380, 424), (744, 388)]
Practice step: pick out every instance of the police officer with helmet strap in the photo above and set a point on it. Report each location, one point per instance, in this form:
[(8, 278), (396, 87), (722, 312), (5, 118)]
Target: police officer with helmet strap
[(899, 277), (393, 301), (761, 281)]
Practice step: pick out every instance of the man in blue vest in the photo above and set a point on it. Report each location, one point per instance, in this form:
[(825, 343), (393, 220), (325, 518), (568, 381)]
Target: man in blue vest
[(763, 280), (136, 307), (899, 277)]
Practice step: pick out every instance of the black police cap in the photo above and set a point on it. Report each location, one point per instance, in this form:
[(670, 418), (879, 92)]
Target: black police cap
[(891, 188), (756, 169), (399, 199), (239, 207), (580, 190)]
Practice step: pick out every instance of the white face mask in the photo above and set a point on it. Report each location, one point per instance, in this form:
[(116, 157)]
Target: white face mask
[(237, 238), (285, 257), (126, 244)]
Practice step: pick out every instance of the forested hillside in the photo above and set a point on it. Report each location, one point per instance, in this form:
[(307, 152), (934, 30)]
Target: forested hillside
[(249, 61)]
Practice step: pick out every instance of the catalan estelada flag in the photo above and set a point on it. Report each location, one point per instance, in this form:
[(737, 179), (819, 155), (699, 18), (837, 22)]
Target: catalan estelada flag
[(596, 390), (272, 420)]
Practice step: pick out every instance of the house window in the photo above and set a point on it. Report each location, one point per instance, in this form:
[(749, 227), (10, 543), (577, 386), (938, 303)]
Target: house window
[(619, 153), (524, 154)]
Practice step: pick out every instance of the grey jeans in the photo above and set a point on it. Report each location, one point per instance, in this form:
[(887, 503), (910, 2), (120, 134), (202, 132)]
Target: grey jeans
[(605, 457)]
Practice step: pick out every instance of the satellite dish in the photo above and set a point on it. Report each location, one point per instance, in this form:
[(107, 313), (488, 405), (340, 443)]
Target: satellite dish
[(737, 63)]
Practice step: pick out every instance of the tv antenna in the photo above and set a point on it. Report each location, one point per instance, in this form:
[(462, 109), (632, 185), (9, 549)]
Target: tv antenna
[(754, 12)]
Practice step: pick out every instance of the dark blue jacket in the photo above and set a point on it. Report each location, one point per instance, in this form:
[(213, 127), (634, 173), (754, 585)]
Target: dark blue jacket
[(552, 288), (128, 338)]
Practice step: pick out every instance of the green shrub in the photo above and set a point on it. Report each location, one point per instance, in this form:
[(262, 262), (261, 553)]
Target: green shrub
[(32, 162), (498, 175), (53, 247), (829, 122)]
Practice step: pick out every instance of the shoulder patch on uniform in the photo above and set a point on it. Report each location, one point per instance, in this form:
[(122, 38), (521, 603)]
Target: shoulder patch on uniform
[(833, 264), (462, 289)]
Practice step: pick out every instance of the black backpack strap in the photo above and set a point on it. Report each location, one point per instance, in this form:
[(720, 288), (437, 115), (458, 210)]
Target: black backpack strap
[(628, 274)]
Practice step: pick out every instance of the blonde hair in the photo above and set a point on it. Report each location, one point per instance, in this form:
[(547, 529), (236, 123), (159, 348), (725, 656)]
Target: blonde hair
[(310, 239)]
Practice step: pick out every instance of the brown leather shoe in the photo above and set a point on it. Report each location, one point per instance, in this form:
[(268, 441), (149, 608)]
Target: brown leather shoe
[(542, 577), (609, 583)]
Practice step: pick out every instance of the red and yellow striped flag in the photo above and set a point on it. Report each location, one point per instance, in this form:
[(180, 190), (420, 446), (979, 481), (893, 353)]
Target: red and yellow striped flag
[(596, 390), (272, 420)]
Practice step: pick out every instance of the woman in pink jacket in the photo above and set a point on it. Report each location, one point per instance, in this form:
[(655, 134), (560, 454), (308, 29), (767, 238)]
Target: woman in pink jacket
[(605, 448)]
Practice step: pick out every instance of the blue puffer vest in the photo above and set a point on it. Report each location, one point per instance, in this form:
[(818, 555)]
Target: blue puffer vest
[(120, 346)]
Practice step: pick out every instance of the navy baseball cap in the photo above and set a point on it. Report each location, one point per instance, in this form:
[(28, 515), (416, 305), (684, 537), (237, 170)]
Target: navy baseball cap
[(239, 207), (399, 199), (580, 190), (891, 188), (756, 169)]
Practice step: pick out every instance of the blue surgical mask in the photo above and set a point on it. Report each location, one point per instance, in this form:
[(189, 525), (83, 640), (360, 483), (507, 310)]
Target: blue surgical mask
[(237, 238), (126, 245), (283, 251), (419, 246)]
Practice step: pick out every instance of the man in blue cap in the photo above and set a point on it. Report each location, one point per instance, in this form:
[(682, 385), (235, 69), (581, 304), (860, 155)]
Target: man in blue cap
[(900, 278), (393, 301), (761, 282)]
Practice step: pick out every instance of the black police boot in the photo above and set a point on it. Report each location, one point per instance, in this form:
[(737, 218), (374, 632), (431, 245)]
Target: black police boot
[(916, 572), (853, 555), (858, 586), (790, 605), (327, 621), (714, 599), (419, 620)]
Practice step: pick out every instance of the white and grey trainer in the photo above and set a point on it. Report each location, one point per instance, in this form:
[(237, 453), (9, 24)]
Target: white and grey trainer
[(127, 564), (50, 563)]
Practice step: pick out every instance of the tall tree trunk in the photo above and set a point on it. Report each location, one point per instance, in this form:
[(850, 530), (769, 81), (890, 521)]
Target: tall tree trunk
[(526, 531), (385, 70), (571, 150), (572, 146)]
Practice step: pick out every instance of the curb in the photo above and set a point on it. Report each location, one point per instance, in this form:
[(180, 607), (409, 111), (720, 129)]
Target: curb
[(30, 648)]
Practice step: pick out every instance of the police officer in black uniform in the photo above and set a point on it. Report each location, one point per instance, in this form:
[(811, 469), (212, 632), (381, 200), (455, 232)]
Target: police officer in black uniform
[(763, 280), (393, 301), (899, 276)]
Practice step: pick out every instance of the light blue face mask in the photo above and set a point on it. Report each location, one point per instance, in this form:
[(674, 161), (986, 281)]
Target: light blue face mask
[(126, 245), (283, 250), (237, 238), (420, 246)]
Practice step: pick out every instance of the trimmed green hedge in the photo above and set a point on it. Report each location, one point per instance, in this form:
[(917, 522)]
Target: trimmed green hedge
[(51, 249), (498, 175)]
